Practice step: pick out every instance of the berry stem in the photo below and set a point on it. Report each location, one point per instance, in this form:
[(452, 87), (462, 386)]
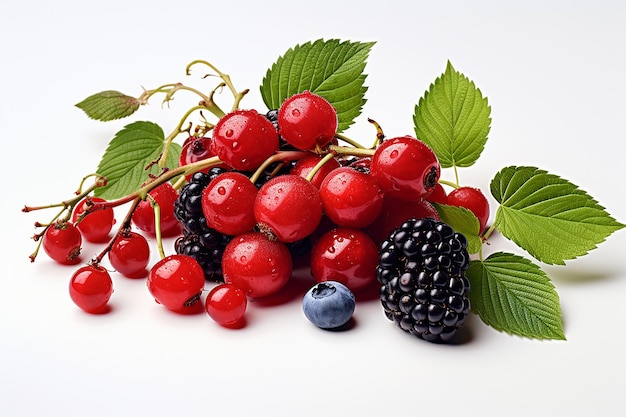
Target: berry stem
[(280, 156), (319, 165), (449, 183), (124, 228), (157, 225), (349, 150), (380, 136), (348, 140), (225, 77)]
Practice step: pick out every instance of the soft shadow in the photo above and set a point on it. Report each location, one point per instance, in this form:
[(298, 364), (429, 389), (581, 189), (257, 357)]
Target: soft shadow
[(564, 275)]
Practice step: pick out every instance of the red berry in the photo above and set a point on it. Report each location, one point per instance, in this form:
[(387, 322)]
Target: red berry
[(472, 199), (307, 121), (62, 242), (226, 304), (228, 202), (244, 139), (304, 166), (258, 266), (437, 195), (289, 207), (346, 255), (91, 288), (165, 195), (96, 225), (130, 255), (351, 198), (176, 282), (405, 167), (195, 149)]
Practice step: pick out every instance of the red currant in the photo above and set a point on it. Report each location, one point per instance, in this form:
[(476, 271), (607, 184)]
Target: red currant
[(257, 265), (351, 198), (243, 139), (226, 304), (165, 196), (405, 167), (346, 255), (96, 225), (62, 242), (227, 203), (304, 166), (176, 282), (289, 207), (130, 255), (472, 199), (437, 195), (195, 149), (91, 288), (307, 121)]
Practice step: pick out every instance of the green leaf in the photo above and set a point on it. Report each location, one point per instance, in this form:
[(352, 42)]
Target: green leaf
[(109, 105), (548, 216), (513, 295), (462, 221), (124, 162), (453, 118), (329, 68)]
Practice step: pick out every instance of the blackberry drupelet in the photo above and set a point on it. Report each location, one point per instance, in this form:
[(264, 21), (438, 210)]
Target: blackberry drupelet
[(199, 241), (424, 290)]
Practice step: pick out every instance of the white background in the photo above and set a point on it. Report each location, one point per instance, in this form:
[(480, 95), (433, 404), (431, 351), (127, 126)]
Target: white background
[(554, 75)]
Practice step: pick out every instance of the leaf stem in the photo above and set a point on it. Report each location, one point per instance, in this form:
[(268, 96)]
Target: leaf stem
[(449, 183)]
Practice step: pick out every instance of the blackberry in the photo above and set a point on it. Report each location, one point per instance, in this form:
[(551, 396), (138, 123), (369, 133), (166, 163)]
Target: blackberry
[(199, 241), (421, 269)]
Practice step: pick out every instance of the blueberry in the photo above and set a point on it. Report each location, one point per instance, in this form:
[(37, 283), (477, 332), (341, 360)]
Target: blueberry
[(328, 305)]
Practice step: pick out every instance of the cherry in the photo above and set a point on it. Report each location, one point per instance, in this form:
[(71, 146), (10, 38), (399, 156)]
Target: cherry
[(96, 225), (307, 121), (243, 139), (176, 282), (437, 195), (289, 207), (195, 149), (143, 217), (405, 167), (227, 203), (258, 266), (304, 166), (472, 199), (130, 254), (346, 255), (351, 198), (62, 242), (226, 304), (91, 288)]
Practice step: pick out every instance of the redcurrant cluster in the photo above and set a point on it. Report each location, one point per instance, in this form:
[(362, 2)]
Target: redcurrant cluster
[(264, 189)]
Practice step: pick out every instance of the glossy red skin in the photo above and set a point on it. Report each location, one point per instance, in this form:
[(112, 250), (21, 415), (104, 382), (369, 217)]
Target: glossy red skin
[(472, 199), (402, 166), (130, 255), (228, 202), (289, 207), (307, 121), (143, 217), (395, 212), (437, 195), (243, 139), (195, 149), (176, 282), (304, 166), (95, 226), (91, 288), (226, 304), (345, 255), (62, 242), (351, 198), (258, 266)]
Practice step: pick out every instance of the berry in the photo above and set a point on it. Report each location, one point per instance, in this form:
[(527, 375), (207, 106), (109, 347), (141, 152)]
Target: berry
[(226, 304), (288, 207), (188, 205), (227, 203), (143, 217), (307, 121), (260, 267), (304, 166), (62, 242), (243, 139), (405, 167), (437, 195), (329, 305), (95, 226), (130, 254), (176, 282), (91, 288), (472, 199), (193, 150), (351, 198), (345, 255), (421, 270), (207, 249)]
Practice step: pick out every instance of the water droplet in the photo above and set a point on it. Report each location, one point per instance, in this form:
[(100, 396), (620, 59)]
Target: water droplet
[(235, 145), (243, 259), (339, 239), (331, 249), (393, 154), (229, 133), (295, 113), (221, 190)]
